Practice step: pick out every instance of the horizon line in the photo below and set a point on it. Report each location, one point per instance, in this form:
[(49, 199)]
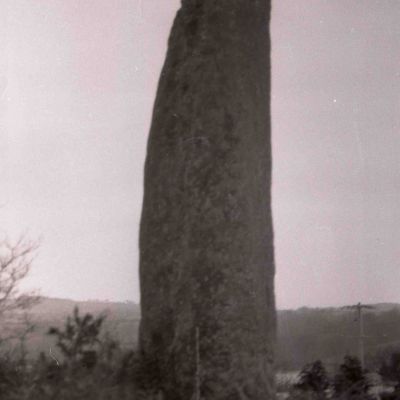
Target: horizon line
[(127, 301)]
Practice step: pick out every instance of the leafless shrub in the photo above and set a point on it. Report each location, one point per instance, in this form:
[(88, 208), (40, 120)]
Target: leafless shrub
[(15, 263)]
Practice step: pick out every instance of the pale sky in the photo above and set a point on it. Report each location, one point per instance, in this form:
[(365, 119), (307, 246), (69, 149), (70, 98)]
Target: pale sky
[(77, 85)]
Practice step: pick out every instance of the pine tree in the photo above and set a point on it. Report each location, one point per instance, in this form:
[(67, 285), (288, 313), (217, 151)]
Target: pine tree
[(314, 378), (351, 380)]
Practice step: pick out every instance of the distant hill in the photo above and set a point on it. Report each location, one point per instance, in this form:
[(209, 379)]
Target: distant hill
[(304, 335), (52, 308), (122, 321), (308, 334), (383, 307)]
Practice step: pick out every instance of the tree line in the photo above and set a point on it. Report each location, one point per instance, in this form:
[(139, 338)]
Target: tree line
[(349, 382)]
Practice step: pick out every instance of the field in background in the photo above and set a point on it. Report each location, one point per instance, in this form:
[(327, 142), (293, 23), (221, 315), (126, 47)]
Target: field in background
[(304, 335)]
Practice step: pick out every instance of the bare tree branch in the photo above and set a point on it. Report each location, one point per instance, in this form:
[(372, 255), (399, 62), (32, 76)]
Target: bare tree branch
[(15, 263)]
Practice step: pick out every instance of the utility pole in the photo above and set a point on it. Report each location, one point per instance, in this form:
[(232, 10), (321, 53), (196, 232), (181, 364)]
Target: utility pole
[(361, 336)]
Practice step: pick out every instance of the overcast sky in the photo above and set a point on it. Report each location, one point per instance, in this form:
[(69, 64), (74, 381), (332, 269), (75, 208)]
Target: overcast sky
[(77, 84)]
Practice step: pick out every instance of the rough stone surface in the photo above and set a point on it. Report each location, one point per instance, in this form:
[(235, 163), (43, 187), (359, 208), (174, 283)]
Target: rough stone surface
[(206, 240)]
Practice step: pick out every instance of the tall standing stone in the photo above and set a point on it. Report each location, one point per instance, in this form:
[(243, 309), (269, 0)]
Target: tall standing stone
[(206, 239)]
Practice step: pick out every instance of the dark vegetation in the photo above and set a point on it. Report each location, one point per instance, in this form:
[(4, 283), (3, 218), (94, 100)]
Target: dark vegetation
[(79, 357), (349, 382), (313, 378), (121, 321), (86, 364)]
